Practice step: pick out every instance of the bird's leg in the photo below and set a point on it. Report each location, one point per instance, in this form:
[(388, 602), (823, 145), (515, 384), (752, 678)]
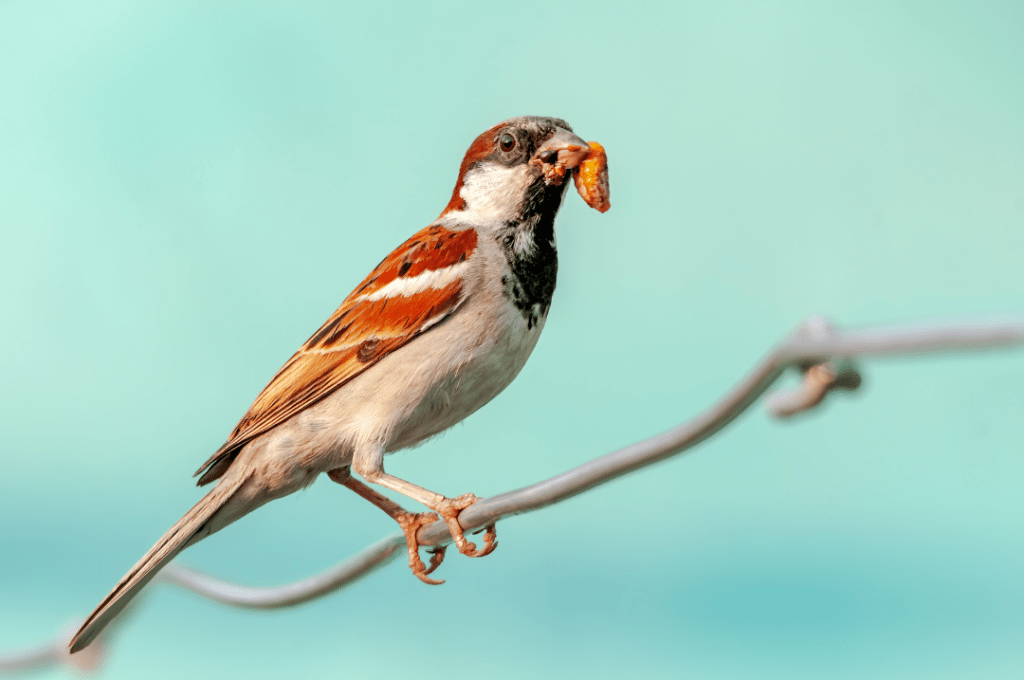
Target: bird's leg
[(369, 464), (409, 521)]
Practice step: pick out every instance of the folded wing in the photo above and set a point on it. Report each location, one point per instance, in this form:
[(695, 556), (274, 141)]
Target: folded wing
[(416, 287)]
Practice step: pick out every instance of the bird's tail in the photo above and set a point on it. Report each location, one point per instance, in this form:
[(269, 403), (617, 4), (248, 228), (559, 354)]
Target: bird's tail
[(189, 529)]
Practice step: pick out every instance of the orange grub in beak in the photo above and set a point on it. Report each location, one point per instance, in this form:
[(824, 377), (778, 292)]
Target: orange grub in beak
[(591, 178)]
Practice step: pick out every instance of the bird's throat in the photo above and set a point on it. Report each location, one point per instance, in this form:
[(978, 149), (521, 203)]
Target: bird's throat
[(529, 245)]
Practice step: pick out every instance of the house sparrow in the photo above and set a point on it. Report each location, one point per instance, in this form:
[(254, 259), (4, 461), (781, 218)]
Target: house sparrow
[(437, 330)]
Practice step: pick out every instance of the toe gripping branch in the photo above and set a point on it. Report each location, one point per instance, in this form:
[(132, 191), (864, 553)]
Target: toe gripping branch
[(449, 509)]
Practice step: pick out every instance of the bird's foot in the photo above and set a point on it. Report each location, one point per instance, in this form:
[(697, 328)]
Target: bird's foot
[(449, 509), (411, 523)]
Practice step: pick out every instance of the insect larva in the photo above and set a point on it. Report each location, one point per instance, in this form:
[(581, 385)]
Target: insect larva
[(591, 178)]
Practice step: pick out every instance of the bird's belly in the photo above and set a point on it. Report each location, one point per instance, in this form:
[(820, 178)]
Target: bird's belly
[(468, 386)]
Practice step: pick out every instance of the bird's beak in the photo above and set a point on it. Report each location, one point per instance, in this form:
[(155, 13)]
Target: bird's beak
[(561, 153)]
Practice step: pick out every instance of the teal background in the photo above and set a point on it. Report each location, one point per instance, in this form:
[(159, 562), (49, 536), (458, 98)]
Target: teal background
[(188, 189)]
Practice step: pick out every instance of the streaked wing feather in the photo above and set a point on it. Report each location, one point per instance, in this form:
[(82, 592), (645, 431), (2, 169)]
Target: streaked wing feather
[(410, 291)]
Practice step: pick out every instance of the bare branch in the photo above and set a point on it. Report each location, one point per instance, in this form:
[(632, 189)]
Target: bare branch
[(337, 577), (799, 349), (823, 354)]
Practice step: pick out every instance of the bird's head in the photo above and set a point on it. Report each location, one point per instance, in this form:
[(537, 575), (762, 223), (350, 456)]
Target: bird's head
[(515, 169)]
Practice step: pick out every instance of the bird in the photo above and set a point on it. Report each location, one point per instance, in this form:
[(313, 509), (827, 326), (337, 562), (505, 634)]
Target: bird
[(439, 328)]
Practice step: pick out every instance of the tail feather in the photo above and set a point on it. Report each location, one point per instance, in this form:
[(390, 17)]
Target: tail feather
[(174, 541)]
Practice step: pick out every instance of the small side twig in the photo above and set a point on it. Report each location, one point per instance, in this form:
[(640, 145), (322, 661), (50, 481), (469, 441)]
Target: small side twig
[(818, 378)]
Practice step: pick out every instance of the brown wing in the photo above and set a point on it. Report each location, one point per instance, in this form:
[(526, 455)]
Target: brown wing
[(414, 288)]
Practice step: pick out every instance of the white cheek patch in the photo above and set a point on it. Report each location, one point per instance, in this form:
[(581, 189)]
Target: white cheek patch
[(409, 286), (492, 192)]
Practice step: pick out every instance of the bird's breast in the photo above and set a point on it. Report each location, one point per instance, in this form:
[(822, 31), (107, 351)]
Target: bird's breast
[(489, 359)]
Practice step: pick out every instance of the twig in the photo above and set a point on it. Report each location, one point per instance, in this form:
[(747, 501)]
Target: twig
[(818, 378), (823, 353), (339, 576)]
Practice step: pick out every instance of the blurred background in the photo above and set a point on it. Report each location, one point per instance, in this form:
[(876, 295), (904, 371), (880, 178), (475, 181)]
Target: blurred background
[(188, 189)]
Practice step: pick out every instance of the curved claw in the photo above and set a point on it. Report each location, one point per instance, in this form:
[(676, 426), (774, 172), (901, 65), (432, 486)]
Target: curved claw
[(436, 558), (422, 575), (490, 541)]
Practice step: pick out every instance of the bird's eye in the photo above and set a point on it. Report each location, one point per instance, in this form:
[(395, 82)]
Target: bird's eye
[(507, 142)]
